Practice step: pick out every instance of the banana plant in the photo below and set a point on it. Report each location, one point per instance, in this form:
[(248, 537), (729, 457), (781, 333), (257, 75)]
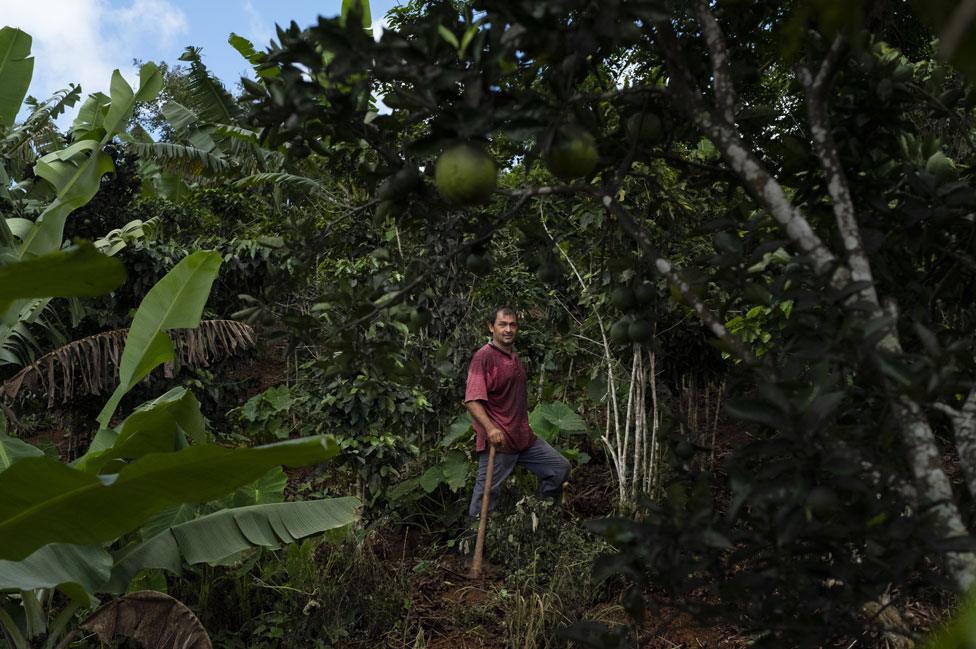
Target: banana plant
[(209, 137), (65, 177), (153, 491)]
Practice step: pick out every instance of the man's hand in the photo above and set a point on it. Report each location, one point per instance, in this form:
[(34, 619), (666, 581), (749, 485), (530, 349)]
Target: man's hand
[(495, 436)]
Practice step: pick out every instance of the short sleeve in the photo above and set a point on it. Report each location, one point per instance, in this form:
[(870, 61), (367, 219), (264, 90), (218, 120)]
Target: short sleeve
[(477, 385)]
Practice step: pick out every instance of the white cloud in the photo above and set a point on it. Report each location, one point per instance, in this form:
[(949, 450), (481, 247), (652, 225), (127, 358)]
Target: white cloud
[(82, 41), (258, 30), (150, 17), (378, 27)]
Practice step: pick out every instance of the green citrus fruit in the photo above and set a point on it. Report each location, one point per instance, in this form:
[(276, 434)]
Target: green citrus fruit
[(478, 264), (619, 331), (941, 167), (572, 153), (399, 185), (639, 331), (646, 127), (645, 293), (623, 298), (465, 175)]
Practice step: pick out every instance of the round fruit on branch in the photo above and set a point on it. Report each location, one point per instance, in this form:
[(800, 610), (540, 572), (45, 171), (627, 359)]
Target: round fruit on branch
[(465, 175), (646, 128), (623, 298), (572, 153)]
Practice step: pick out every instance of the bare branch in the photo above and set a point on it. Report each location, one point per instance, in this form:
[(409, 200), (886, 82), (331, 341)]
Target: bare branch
[(951, 412), (838, 188), (935, 490), (765, 190), (964, 426), (663, 266), (719, 54), (547, 190), (924, 458), (828, 67)]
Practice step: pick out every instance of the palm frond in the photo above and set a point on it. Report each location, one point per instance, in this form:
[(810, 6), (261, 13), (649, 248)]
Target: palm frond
[(282, 179), (180, 158), (210, 99), (91, 365), (42, 116), (236, 132), (18, 343)]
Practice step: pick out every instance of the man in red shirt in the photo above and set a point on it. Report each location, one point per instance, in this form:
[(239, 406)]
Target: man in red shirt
[(497, 398)]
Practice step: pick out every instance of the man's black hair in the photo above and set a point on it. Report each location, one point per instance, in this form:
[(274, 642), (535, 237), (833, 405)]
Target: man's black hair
[(493, 316)]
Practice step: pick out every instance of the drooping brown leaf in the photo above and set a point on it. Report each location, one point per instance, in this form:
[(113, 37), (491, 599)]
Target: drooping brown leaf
[(90, 366), (154, 620)]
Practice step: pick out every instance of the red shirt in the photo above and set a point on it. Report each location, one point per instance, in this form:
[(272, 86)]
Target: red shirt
[(497, 379)]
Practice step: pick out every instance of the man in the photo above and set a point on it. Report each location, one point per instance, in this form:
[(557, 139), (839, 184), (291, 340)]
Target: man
[(497, 398)]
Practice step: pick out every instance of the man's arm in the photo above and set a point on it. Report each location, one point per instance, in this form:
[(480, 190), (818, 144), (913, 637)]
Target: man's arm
[(495, 435)]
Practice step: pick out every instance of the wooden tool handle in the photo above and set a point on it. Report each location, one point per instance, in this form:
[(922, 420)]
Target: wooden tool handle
[(479, 546)]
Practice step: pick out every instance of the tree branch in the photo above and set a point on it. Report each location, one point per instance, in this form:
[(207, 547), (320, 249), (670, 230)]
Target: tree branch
[(663, 266), (760, 184), (924, 458), (964, 426), (935, 490), (817, 90), (718, 52)]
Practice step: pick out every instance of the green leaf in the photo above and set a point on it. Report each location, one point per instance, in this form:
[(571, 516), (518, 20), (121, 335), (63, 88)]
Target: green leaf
[(158, 426), (75, 569), (459, 428), (179, 116), (255, 58), (77, 271), (269, 488), (563, 417), (16, 70), (363, 5), (431, 478), (176, 301), (280, 179), (448, 37), (91, 116), (13, 449), (243, 46), (209, 99), (76, 175), (218, 536), (168, 517), (43, 501), (547, 420), (455, 469)]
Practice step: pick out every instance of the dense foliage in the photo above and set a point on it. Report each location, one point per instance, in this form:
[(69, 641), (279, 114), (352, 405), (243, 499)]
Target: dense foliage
[(739, 238)]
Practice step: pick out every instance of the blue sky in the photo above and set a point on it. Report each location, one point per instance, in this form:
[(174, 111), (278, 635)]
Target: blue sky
[(82, 41)]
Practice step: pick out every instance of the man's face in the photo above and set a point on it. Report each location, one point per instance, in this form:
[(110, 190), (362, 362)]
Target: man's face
[(504, 330)]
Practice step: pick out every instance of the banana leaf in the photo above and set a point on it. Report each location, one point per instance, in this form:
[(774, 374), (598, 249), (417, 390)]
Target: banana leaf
[(226, 533), (44, 501)]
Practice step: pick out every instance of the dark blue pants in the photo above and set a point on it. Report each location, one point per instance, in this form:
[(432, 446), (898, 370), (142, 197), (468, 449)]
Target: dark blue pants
[(541, 459)]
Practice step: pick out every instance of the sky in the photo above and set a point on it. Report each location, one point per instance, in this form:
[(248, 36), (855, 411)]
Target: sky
[(83, 41)]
